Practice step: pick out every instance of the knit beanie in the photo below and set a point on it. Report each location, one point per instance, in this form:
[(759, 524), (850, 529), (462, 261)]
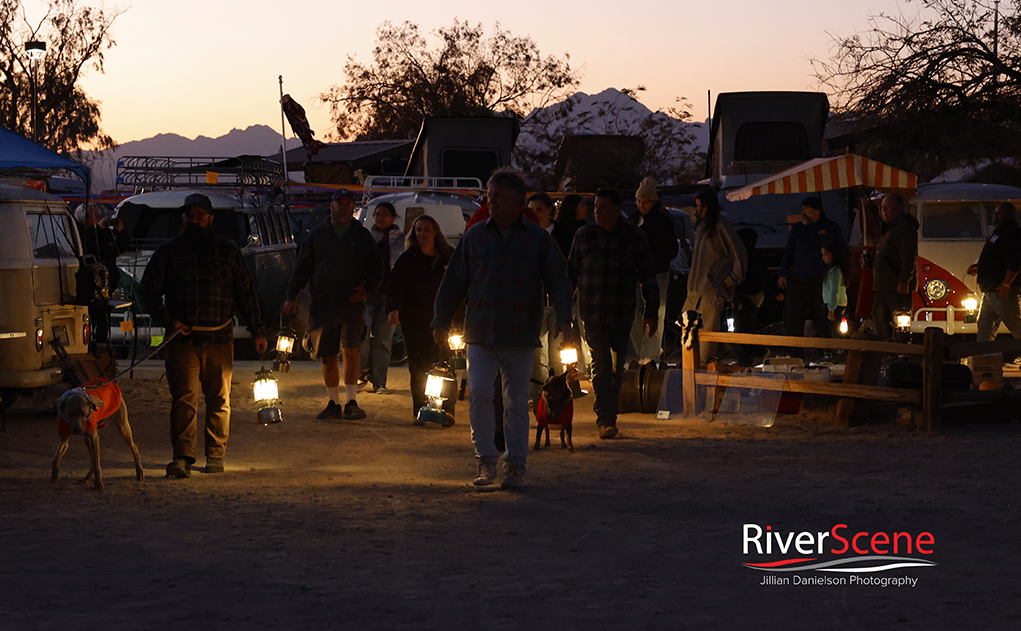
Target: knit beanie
[(647, 190)]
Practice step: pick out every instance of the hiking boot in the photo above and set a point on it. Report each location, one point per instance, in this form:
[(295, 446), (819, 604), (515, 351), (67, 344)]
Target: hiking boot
[(178, 468), (332, 411), (607, 432), (214, 465), (514, 477), (487, 473), (352, 411)]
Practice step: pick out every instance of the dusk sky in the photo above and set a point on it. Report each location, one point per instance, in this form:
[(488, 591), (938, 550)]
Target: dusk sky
[(195, 67)]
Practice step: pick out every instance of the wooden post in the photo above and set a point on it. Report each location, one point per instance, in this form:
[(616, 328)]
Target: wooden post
[(932, 377), (691, 360), (845, 406)]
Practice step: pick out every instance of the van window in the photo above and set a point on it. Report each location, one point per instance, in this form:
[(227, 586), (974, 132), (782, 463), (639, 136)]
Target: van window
[(52, 236), (771, 140), (952, 220)]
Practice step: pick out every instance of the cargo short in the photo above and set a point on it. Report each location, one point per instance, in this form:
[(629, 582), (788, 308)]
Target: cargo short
[(345, 329)]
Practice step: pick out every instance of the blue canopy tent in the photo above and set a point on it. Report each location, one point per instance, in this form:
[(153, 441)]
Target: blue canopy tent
[(22, 157)]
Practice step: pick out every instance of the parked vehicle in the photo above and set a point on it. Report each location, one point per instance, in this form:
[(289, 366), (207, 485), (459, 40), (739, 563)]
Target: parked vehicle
[(955, 221), (255, 217), (40, 251), (450, 201)]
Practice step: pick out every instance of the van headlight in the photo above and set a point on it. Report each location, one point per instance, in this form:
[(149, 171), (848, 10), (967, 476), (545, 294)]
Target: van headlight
[(936, 289)]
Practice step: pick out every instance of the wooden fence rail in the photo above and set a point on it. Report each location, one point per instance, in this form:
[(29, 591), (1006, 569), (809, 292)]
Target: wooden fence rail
[(860, 375)]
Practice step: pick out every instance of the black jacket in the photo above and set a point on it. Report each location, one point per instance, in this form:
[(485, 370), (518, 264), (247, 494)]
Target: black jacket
[(1002, 252), (894, 261), (659, 230), (332, 268), (411, 289)]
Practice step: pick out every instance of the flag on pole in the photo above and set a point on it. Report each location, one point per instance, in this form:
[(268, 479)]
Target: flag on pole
[(299, 125)]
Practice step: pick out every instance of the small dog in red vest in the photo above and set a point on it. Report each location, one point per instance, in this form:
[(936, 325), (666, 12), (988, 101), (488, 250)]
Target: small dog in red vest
[(84, 412), (555, 407)]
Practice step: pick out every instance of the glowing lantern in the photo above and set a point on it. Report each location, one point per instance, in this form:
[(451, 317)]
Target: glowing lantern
[(285, 346), (457, 361), (568, 355), (440, 385), (843, 326), (970, 303), (902, 320), (267, 395)]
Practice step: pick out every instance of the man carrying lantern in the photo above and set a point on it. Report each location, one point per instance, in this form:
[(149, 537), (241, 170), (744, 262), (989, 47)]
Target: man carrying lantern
[(502, 266), (193, 285)]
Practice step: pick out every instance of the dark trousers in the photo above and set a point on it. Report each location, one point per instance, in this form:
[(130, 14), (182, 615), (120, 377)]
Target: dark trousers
[(422, 355), (745, 315), (805, 297), (886, 304), (608, 345), (195, 370)]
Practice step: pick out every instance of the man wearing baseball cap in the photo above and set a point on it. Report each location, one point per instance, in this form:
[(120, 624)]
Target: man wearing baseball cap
[(193, 285), (340, 262)]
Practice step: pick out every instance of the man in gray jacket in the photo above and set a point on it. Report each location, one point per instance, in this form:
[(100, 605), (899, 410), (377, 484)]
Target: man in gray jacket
[(893, 267), (340, 263)]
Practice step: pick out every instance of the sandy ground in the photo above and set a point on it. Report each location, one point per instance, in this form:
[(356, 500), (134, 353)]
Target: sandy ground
[(373, 524)]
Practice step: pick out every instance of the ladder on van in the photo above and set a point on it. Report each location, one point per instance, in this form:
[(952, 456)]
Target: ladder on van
[(375, 184)]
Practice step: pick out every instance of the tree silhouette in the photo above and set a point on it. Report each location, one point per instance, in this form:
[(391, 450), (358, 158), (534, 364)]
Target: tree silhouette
[(933, 91), (76, 35), (467, 74)]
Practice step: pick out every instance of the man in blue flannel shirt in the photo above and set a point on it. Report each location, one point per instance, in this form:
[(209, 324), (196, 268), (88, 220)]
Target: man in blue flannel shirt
[(502, 266)]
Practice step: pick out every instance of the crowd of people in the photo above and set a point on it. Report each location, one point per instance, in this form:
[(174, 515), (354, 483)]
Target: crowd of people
[(526, 277)]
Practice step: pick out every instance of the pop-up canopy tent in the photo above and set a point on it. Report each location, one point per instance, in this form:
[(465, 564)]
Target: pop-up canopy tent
[(827, 174), (21, 157)]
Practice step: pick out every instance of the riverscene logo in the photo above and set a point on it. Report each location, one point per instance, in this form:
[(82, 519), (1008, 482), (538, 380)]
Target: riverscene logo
[(860, 554)]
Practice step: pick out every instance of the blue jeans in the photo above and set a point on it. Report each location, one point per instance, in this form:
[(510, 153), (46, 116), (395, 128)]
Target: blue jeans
[(515, 367), (379, 338)]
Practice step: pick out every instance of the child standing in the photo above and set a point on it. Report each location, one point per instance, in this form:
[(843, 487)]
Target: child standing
[(834, 289)]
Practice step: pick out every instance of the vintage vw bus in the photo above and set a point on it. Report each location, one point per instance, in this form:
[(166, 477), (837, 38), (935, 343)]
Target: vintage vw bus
[(955, 219), (40, 250)]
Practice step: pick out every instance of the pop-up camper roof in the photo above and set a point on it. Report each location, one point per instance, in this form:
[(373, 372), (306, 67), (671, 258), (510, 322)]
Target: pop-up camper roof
[(765, 132), (19, 156)]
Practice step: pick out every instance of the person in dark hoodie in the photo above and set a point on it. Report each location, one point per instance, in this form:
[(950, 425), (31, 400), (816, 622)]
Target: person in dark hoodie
[(893, 266), (749, 296), (659, 230), (340, 262), (998, 278), (803, 271)]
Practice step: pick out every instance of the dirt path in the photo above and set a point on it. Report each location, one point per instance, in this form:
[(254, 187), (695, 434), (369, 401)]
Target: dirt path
[(373, 524)]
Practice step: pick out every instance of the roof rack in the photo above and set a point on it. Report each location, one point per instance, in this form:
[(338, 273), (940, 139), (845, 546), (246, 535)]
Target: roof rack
[(375, 183), (161, 172)]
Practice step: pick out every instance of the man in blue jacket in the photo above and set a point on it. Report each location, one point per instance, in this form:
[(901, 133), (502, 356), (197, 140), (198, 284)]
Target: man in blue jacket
[(803, 271), (340, 262), (503, 266)]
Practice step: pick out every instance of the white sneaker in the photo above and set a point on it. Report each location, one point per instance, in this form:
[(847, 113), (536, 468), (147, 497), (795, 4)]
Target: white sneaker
[(381, 390), (487, 473)]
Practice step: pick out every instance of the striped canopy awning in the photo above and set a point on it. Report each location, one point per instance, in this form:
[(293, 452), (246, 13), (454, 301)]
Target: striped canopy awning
[(827, 174)]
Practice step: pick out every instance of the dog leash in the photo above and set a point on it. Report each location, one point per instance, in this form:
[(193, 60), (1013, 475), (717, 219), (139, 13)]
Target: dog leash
[(166, 341)]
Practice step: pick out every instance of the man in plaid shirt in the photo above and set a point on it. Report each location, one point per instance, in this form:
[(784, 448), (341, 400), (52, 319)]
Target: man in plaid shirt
[(194, 284), (608, 259), (503, 266)]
